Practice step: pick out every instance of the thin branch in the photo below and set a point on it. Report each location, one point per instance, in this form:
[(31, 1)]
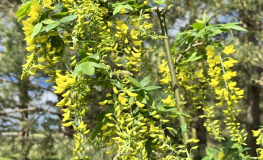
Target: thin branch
[(191, 46), (174, 81), (29, 110)]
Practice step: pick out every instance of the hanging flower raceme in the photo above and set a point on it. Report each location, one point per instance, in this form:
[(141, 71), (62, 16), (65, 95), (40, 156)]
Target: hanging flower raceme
[(225, 89)]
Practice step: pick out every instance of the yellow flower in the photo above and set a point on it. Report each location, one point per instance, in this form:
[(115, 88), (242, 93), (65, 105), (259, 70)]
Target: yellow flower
[(122, 27), (168, 100), (66, 94), (47, 4), (214, 83), (229, 49), (71, 81), (219, 91), (115, 90), (67, 124), (66, 116), (104, 10), (231, 85), (58, 90), (131, 94), (137, 43), (134, 34), (210, 48), (230, 63), (61, 103), (122, 11), (199, 74), (240, 93), (136, 55), (68, 103), (141, 105), (27, 27), (109, 24), (210, 54), (122, 99), (35, 9), (42, 39), (102, 103), (229, 74)]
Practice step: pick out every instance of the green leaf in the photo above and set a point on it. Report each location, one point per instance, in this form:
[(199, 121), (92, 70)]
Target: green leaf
[(99, 65), (135, 82), (145, 114), (199, 21), (175, 131), (77, 71), (183, 128), (144, 82), (36, 30), (182, 114), (195, 58), (101, 116), (58, 5), (204, 17), (20, 18), (82, 53), (198, 25), (68, 18), (94, 56), (206, 158), (22, 11), (111, 109), (149, 88), (148, 147), (117, 9), (119, 84), (141, 99), (211, 151), (52, 26), (87, 68), (59, 15), (235, 27), (200, 33), (168, 109), (95, 132), (209, 19), (48, 21), (216, 32), (128, 7)]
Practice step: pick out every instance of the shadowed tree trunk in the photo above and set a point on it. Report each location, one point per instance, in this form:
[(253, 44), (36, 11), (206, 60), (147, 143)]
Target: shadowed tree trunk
[(201, 134), (253, 117)]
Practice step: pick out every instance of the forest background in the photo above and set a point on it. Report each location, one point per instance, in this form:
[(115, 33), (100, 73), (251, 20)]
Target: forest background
[(30, 124)]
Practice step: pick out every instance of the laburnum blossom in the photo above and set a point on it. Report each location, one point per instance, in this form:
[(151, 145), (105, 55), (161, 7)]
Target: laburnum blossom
[(35, 9), (229, 49), (47, 4), (230, 63)]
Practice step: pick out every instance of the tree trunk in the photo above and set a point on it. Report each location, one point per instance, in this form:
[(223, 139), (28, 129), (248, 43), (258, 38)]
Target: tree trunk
[(253, 116), (201, 134)]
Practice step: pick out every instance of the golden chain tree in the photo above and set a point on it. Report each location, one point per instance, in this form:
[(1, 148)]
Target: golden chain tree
[(108, 41)]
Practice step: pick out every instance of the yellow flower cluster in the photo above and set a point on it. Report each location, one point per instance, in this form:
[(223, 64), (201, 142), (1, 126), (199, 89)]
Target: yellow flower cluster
[(124, 126), (164, 69), (74, 102), (259, 135), (38, 45), (225, 88)]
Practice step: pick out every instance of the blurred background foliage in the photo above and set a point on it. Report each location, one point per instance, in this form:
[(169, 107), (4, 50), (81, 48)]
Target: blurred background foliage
[(30, 124)]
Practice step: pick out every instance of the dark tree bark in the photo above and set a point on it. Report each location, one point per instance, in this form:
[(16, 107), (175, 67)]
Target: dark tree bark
[(253, 117), (201, 134)]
